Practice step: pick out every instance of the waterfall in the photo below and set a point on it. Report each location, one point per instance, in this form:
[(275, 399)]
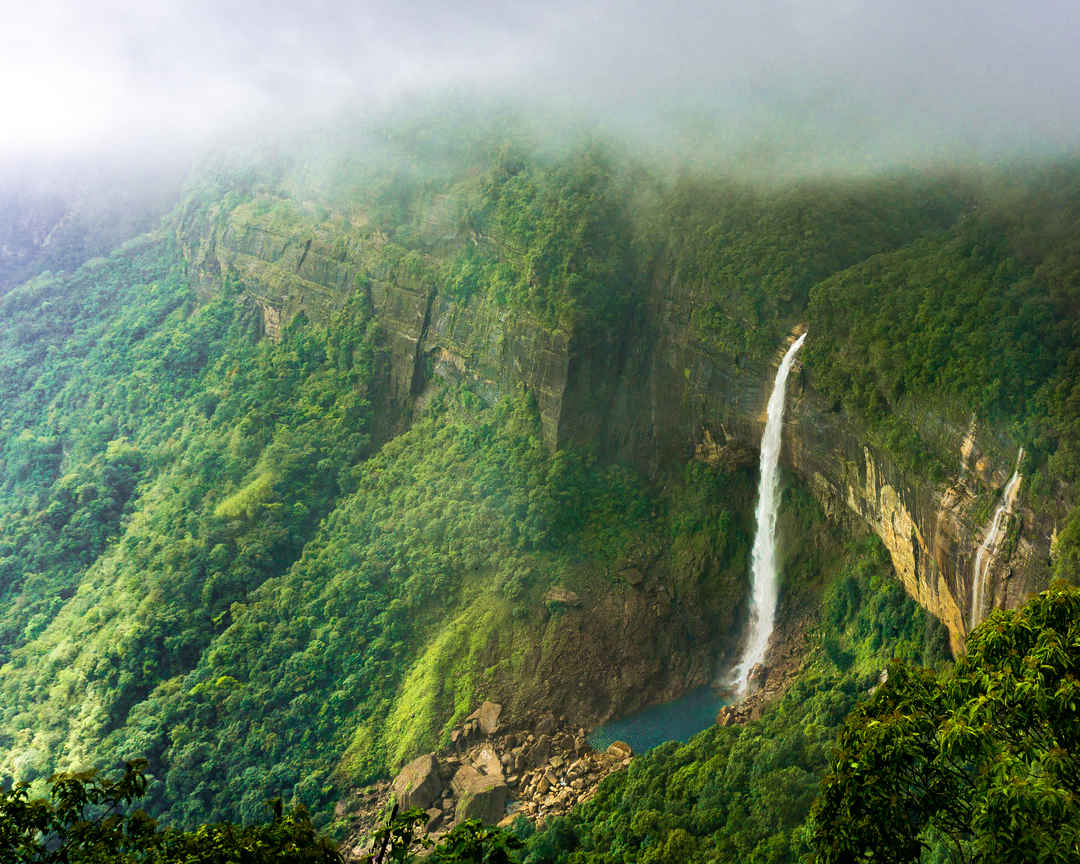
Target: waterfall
[(988, 547), (764, 578)]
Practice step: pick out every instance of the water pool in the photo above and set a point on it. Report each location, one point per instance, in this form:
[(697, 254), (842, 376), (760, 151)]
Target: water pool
[(673, 721)]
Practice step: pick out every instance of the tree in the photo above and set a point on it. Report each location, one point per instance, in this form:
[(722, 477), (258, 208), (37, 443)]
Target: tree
[(469, 842), (88, 819), (980, 763)]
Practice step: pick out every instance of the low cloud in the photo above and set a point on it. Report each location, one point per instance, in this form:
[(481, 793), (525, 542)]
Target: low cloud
[(810, 83)]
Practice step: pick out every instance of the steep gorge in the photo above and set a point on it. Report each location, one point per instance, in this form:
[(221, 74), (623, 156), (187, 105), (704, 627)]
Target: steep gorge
[(649, 390), (368, 471)]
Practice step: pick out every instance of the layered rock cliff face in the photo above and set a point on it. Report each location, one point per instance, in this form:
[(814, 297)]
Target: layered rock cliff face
[(298, 265), (930, 529), (674, 397), (649, 391)]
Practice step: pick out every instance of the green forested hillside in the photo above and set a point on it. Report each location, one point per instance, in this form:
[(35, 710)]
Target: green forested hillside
[(984, 316), (211, 622), (755, 254), (210, 559), (164, 463)]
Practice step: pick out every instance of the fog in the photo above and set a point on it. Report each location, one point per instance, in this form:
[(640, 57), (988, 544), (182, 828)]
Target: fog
[(804, 84)]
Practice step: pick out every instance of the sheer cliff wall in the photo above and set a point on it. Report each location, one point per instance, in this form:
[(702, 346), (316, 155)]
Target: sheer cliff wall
[(647, 390)]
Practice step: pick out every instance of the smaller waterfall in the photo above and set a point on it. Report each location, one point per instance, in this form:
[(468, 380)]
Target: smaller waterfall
[(765, 586), (988, 548)]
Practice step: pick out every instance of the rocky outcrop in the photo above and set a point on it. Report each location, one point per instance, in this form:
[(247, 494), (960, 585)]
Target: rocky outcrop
[(931, 529), (563, 596), (418, 783), (479, 796), (491, 773), (293, 261)]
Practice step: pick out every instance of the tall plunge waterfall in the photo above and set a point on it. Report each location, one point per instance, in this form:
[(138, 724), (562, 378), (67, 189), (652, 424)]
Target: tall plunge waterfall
[(985, 553), (764, 578)]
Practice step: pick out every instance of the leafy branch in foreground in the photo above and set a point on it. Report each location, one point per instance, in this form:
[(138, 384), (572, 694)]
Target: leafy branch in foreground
[(88, 819), (469, 842), (978, 764)]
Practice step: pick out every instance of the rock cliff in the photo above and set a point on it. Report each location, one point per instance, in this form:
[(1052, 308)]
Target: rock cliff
[(649, 391), (674, 398)]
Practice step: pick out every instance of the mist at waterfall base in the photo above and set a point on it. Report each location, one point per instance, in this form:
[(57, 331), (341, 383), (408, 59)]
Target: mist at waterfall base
[(765, 581)]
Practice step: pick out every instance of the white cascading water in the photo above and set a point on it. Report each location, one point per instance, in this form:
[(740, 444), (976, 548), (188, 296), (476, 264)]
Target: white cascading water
[(764, 586), (984, 554)]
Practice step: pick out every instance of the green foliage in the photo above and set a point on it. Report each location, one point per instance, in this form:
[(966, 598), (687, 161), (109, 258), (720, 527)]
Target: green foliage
[(982, 316), (88, 819), (468, 842), (979, 763), (554, 239), (395, 841), (471, 842), (742, 793), (754, 255), (1067, 549), (171, 463)]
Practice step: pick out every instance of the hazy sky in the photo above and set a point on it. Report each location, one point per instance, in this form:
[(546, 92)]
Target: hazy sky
[(817, 79)]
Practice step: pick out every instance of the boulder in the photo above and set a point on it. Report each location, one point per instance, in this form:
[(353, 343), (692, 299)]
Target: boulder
[(619, 750), (488, 762), (540, 751), (479, 796), (484, 720), (487, 717), (418, 784)]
